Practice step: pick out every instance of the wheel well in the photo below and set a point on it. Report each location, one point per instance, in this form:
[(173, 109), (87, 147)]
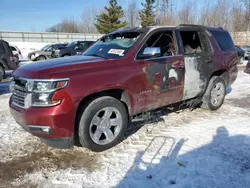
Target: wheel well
[(222, 73), (119, 94), (66, 55)]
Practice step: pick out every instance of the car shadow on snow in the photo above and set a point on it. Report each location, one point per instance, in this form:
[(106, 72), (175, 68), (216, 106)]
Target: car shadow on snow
[(222, 163), (156, 116)]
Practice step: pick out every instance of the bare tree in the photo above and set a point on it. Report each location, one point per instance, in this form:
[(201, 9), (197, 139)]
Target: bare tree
[(247, 13), (187, 14), (217, 14), (238, 19), (132, 15), (165, 12), (87, 21), (65, 26), (69, 26)]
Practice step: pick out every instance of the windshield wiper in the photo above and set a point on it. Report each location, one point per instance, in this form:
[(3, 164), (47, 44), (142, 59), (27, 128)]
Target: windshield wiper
[(96, 55)]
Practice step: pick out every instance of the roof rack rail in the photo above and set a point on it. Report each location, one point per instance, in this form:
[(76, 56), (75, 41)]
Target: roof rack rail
[(202, 26)]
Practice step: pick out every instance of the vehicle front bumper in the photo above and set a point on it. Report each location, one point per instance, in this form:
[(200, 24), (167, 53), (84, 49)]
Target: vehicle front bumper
[(52, 125)]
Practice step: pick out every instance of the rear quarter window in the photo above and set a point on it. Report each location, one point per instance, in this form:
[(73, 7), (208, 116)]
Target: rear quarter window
[(13, 48), (224, 40)]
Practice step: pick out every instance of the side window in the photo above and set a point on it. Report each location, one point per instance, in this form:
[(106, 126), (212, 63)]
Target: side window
[(224, 40), (83, 45), (49, 49), (2, 49), (195, 42), (13, 49), (163, 40)]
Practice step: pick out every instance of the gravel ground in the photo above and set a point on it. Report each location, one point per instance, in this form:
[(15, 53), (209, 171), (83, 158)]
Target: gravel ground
[(185, 148)]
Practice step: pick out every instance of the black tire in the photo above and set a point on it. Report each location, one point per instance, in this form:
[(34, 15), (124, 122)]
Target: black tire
[(86, 115), (207, 98), (41, 58), (2, 73), (66, 55), (30, 55)]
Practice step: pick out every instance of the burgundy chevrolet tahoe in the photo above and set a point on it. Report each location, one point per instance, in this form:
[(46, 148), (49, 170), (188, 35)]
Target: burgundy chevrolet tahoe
[(90, 99)]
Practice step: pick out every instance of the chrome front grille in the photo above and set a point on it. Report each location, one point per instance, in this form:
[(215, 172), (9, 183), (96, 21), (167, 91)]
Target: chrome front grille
[(19, 93)]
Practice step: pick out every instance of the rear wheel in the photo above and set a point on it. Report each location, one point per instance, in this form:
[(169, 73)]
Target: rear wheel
[(2, 73), (102, 124), (215, 94), (41, 58)]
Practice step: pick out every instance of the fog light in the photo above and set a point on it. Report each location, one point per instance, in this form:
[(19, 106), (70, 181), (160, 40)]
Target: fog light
[(46, 130)]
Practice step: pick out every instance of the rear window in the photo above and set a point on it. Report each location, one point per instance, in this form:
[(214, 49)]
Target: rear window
[(2, 49), (13, 49), (224, 40)]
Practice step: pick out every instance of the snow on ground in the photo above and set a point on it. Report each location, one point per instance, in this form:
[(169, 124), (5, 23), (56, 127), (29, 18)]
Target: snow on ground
[(180, 149), (27, 47)]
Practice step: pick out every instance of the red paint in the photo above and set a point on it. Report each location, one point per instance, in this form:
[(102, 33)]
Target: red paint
[(91, 75)]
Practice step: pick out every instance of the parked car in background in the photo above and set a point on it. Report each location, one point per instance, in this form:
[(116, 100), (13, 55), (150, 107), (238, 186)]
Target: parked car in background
[(246, 48), (7, 60), (17, 53), (75, 48), (90, 99), (247, 69), (240, 53), (47, 52)]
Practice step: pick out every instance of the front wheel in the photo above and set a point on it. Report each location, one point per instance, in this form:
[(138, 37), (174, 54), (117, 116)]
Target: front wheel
[(215, 94), (102, 124), (41, 58)]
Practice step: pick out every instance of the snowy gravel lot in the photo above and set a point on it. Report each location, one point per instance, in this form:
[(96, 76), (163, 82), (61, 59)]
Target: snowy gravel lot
[(185, 149)]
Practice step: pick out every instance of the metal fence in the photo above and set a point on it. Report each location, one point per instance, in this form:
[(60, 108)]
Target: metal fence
[(13, 36), (240, 38)]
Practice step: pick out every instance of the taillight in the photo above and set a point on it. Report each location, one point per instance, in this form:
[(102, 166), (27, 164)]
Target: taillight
[(19, 52)]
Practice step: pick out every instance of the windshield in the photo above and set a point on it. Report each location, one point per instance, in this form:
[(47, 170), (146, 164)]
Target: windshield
[(71, 45), (45, 48), (113, 46)]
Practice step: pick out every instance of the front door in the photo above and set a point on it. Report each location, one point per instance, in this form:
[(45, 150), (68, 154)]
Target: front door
[(164, 74)]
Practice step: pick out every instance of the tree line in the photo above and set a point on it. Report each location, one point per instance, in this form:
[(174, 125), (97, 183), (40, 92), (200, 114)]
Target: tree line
[(232, 15)]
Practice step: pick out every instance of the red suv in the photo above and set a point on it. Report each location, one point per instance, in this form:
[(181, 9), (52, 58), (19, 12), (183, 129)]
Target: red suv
[(91, 98)]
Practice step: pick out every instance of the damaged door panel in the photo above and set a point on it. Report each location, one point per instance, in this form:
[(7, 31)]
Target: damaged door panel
[(199, 62)]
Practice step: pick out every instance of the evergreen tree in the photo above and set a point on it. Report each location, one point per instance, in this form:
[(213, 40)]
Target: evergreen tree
[(110, 20), (147, 14)]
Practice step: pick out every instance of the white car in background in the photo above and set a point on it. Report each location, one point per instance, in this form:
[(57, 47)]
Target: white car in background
[(17, 53)]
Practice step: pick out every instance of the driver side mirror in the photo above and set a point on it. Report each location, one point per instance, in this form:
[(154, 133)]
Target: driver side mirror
[(151, 52)]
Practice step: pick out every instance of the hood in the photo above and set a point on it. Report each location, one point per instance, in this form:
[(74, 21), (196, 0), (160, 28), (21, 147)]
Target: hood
[(41, 69)]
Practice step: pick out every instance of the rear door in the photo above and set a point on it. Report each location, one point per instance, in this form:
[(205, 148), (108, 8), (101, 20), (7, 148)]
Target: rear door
[(199, 62)]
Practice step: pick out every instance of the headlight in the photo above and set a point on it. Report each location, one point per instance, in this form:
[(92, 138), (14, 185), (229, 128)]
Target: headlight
[(43, 91)]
